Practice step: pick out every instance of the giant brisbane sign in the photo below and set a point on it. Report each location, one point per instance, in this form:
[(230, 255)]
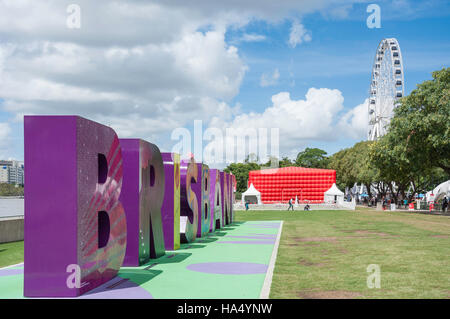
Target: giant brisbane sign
[(189, 205), (75, 224), (94, 203), (171, 204), (215, 200), (143, 182), (205, 221)]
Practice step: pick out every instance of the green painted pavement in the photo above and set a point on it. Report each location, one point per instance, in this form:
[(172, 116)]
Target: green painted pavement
[(169, 277), (11, 287)]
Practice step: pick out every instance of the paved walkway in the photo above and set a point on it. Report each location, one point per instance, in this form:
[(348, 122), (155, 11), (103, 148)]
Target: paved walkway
[(234, 262)]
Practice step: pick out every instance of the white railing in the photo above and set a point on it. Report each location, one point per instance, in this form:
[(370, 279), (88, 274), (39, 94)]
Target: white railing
[(279, 206)]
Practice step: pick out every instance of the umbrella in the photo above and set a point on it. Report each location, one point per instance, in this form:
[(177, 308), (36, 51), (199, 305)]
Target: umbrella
[(364, 195)]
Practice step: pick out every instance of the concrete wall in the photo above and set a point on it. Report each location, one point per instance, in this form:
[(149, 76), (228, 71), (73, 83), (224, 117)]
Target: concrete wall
[(11, 229)]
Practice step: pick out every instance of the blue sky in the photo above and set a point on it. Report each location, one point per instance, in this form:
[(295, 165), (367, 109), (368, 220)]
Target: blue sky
[(52, 70), (340, 56)]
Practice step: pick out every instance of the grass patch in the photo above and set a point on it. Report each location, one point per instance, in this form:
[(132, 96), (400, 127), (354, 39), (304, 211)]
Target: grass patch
[(11, 253), (325, 254)]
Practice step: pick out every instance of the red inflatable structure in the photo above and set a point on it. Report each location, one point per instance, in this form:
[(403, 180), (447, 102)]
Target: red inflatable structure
[(278, 185)]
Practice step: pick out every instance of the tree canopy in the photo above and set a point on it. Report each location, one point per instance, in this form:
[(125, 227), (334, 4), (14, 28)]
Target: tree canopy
[(312, 158), (416, 148), (10, 190), (352, 165), (240, 171), (419, 132)]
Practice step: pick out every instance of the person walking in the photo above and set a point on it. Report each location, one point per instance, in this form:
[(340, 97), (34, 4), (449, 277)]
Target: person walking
[(290, 204), (444, 204), (246, 205)]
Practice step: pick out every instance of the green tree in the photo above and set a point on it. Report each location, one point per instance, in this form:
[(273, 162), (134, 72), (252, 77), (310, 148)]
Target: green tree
[(340, 163), (416, 148), (284, 162), (240, 171), (364, 172), (10, 190), (312, 158), (420, 128), (393, 169), (352, 166)]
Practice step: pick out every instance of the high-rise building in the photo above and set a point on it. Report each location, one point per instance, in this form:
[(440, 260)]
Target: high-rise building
[(4, 173), (12, 172)]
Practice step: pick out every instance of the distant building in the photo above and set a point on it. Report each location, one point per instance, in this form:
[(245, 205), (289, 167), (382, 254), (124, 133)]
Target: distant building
[(4, 173), (12, 172)]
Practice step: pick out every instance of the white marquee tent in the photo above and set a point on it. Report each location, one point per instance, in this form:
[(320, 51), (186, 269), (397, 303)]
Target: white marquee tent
[(333, 195), (439, 192), (251, 195)]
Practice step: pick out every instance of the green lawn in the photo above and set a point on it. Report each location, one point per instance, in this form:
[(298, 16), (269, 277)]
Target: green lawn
[(325, 254), (11, 253)]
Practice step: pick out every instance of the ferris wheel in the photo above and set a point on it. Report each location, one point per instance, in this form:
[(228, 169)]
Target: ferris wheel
[(386, 87)]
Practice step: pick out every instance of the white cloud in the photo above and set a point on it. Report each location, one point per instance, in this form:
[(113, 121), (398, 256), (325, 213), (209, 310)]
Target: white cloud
[(252, 37), (298, 34), (143, 67), (269, 79), (355, 122), (298, 119), (5, 131), (143, 89), (338, 12), (318, 117)]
